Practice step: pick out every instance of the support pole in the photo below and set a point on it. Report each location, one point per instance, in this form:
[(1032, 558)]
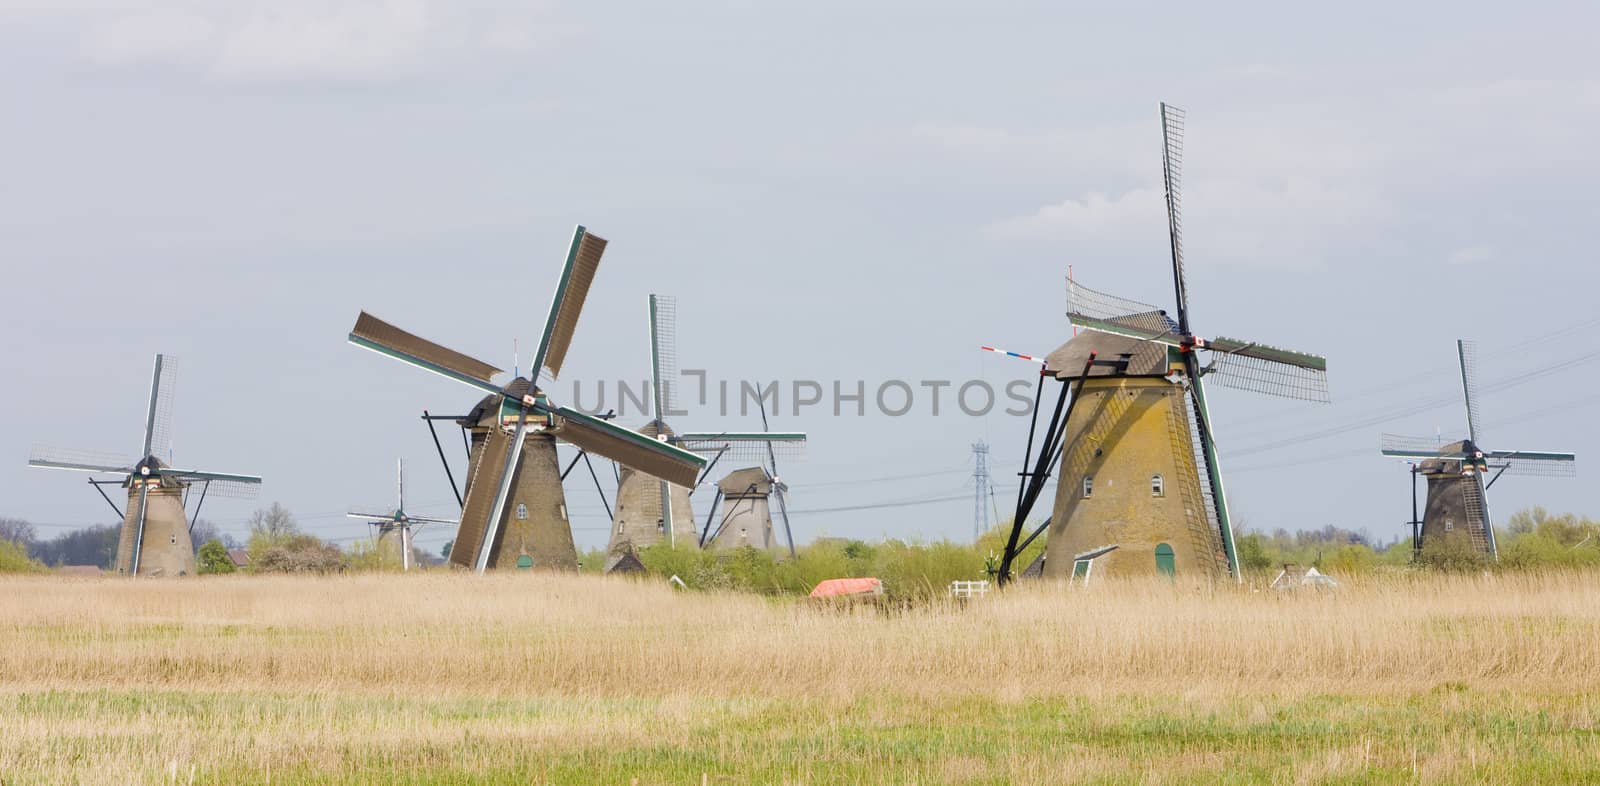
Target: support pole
[(575, 460), (597, 487), (705, 532), (195, 519), (1034, 481), (107, 498), (1416, 524), (442, 460)]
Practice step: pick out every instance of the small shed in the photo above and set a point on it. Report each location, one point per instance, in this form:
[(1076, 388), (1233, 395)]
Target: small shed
[(239, 557)]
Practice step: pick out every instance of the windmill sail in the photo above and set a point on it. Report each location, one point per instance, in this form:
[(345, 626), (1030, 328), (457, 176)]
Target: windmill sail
[(1172, 129), (482, 497), (158, 421), (1535, 463), (663, 353), (1467, 352), (1260, 368), (386, 339), (583, 260), (79, 460), (630, 448), (760, 447)]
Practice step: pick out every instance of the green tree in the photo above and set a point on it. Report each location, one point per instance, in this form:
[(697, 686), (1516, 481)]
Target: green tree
[(1253, 553), (213, 558), (445, 551), (270, 528), (14, 559)]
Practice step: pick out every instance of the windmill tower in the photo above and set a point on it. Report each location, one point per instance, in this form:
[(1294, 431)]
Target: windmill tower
[(514, 510), (745, 495), (651, 510), (155, 524), (396, 529), (1140, 489), (1456, 472)]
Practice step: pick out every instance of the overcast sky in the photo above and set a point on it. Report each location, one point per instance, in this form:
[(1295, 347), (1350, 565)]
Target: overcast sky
[(833, 191)]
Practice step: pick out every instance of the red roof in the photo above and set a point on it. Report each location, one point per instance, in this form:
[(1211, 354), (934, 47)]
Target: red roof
[(833, 588)]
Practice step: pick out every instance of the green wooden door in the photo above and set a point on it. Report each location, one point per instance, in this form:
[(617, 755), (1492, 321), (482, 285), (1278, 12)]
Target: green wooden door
[(524, 562), (1166, 563)]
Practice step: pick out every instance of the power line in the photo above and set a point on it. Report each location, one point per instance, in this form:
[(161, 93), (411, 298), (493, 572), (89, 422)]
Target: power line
[(880, 505)]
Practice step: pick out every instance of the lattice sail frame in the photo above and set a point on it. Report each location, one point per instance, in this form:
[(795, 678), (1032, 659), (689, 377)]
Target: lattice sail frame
[(1404, 446), (1097, 305), (82, 460), (1172, 131), (1467, 351), (744, 449), (664, 350), (1235, 363), (232, 489), (1274, 378), (159, 420)]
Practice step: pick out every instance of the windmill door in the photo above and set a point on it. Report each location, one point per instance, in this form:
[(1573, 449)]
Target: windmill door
[(1166, 563)]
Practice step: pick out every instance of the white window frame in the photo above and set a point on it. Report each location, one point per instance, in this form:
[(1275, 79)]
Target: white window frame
[(1088, 486)]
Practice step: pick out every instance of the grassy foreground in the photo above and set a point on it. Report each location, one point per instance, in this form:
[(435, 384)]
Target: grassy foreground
[(426, 679)]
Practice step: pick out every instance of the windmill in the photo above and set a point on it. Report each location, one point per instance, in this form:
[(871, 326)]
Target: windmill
[(514, 511), (650, 509), (1140, 489), (155, 526), (397, 528), (747, 520), (1457, 498)]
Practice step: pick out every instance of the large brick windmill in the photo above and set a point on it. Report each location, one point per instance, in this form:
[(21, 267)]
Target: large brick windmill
[(514, 512), (156, 523), (650, 509), (1458, 504), (1140, 489)]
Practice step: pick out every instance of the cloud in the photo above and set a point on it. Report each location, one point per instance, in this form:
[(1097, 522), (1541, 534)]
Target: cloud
[(1093, 214), (1471, 255), (304, 40)]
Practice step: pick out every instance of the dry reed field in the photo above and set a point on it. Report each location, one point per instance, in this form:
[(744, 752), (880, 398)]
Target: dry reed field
[(422, 679)]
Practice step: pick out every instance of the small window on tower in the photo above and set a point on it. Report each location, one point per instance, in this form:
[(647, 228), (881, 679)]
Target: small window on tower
[(522, 512), (1158, 488), (1449, 524), (1088, 486)]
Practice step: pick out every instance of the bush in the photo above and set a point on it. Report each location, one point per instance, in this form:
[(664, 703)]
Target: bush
[(1452, 552), (14, 559), (213, 558), (299, 554)]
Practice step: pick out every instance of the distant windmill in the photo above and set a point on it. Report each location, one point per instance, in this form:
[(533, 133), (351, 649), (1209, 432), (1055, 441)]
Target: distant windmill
[(1455, 471), (514, 511), (1140, 489), (649, 509), (155, 527), (745, 493), (396, 529)]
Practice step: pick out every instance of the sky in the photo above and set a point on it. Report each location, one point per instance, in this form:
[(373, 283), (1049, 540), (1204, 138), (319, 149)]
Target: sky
[(847, 192)]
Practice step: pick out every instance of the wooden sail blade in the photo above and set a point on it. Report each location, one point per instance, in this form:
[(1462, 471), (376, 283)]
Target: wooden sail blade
[(583, 260), (386, 339), (629, 448)]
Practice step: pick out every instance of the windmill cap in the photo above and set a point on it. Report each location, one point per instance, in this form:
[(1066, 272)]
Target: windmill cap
[(739, 482)]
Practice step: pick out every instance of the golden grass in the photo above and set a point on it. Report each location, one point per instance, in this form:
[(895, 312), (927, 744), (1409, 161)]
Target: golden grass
[(449, 678)]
